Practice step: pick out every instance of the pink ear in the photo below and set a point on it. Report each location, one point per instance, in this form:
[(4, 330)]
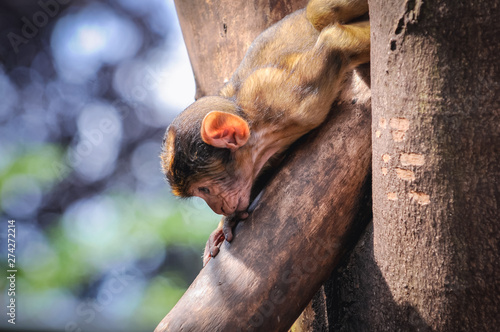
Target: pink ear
[(224, 130)]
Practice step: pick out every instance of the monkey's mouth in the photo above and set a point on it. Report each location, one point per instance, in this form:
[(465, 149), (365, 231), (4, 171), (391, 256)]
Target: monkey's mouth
[(243, 203), (239, 207), (245, 207)]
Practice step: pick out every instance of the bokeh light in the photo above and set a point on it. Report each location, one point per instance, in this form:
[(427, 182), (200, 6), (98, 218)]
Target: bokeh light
[(84, 41), (86, 94)]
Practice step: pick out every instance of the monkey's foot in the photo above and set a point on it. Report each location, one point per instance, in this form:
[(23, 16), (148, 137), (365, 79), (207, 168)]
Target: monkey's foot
[(212, 247), (223, 232)]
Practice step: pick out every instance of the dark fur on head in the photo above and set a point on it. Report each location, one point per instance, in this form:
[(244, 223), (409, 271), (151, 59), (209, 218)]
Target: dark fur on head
[(185, 158)]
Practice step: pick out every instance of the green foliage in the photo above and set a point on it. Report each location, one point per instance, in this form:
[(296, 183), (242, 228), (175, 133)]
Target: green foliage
[(38, 162), (159, 298)]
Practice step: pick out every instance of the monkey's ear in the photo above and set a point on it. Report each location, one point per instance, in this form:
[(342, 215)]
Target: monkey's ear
[(224, 130)]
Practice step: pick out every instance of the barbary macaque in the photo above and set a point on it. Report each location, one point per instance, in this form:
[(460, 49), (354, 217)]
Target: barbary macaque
[(283, 88)]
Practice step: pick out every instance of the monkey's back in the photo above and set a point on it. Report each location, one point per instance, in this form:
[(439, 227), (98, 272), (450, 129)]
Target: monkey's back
[(293, 34)]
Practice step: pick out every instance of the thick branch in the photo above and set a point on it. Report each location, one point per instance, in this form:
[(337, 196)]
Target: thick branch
[(288, 247)]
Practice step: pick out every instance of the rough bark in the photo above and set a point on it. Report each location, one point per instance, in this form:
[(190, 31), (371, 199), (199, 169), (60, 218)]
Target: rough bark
[(430, 261), (290, 244)]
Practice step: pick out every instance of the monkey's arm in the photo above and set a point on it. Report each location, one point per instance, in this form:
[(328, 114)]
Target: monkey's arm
[(224, 230)]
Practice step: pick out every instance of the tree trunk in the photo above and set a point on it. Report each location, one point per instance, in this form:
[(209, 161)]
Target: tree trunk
[(430, 261)]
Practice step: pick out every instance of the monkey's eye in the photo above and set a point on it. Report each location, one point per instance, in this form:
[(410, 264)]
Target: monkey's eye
[(204, 190)]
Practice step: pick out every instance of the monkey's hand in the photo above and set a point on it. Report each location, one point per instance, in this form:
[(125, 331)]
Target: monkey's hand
[(223, 232)]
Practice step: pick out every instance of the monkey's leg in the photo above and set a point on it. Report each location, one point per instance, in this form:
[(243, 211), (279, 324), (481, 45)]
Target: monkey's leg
[(339, 49), (318, 73), (322, 13), (352, 41)]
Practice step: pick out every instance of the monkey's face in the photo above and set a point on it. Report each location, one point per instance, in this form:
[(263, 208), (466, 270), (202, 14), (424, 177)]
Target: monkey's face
[(225, 197), (205, 154), (226, 192)]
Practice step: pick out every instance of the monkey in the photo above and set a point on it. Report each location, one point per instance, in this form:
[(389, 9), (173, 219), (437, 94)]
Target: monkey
[(284, 87)]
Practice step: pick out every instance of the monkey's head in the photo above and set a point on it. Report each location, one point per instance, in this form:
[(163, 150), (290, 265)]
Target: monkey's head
[(204, 155)]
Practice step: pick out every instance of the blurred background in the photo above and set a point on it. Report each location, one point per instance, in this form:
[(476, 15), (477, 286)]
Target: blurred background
[(87, 89)]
